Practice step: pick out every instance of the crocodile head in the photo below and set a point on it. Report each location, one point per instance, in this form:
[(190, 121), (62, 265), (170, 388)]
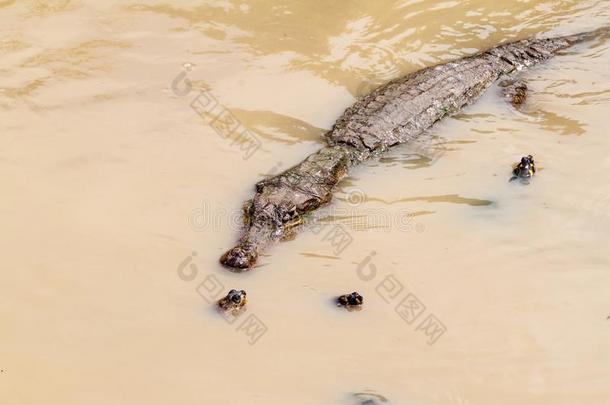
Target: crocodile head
[(350, 300), (242, 256), (234, 300), (273, 214), (526, 168)]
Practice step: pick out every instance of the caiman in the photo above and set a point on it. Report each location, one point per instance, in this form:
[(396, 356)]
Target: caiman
[(233, 301), (525, 169), (350, 300), (394, 113)]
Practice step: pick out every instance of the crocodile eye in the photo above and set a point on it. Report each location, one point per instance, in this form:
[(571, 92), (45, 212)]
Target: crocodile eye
[(236, 298)]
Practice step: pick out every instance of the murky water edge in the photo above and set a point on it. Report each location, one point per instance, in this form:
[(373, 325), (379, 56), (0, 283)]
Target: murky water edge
[(123, 180)]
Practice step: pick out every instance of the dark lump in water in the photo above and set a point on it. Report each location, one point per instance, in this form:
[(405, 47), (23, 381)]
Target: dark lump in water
[(350, 300), (234, 300)]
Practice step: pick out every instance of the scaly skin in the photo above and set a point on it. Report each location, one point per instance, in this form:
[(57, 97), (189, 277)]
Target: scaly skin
[(394, 113)]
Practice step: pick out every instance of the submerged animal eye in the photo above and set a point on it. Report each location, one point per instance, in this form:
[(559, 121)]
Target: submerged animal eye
[(236, 298)]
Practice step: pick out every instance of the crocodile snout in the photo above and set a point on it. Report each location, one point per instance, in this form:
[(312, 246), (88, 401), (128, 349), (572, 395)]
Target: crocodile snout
[(240, 257)]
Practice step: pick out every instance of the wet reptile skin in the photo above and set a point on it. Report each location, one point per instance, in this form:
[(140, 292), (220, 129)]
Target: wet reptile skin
[(393, 114)]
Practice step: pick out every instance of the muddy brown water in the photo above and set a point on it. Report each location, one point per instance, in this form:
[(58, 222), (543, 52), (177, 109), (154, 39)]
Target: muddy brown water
[(118, 197)]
